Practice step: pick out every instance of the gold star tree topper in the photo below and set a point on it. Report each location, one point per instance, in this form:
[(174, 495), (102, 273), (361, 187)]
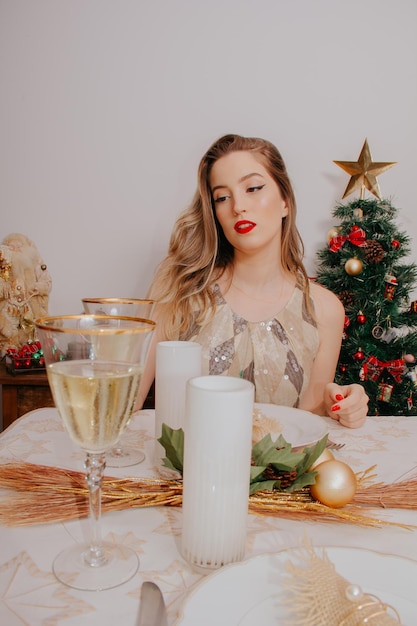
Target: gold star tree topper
[(363, 173)]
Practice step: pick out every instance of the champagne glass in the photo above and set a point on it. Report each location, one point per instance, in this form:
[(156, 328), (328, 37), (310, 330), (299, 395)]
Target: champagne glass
[(94, 365), (122, 454)]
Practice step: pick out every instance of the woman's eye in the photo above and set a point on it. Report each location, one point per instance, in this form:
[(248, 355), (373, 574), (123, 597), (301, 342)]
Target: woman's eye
[(255, 188), (220, 199)]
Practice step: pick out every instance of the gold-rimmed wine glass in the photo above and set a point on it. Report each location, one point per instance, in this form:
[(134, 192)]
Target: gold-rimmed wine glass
[(94, 365), (122, 454)]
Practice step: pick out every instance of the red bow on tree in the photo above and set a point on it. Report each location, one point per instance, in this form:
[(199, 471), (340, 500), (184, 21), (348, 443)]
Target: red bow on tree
[(373, 368), (357, 237)]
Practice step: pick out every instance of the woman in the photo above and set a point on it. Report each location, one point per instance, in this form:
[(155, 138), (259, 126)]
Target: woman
[(234, 281)]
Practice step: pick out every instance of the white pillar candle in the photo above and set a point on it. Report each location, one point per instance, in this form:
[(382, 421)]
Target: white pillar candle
[(176, 362), (216, 476)]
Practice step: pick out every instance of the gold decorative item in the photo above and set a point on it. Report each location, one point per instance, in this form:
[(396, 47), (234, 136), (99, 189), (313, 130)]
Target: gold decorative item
[(335, 483), (332, 233), (353, 266), (317, 595), (363, 173), (25, 284), (326, 455)]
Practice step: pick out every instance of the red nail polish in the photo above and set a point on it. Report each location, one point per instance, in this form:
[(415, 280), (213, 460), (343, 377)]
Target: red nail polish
[(335, 408), (339, 397)]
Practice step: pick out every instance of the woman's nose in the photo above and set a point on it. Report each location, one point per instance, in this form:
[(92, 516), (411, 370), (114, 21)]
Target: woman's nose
[(238, 206)]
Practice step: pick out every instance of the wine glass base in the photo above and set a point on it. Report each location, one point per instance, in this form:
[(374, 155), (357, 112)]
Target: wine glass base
[(123, 457), (71, 567)]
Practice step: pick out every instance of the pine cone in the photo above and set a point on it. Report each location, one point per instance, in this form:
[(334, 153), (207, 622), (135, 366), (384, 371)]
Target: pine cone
[(286, 478), (347, 298), (374, 251)]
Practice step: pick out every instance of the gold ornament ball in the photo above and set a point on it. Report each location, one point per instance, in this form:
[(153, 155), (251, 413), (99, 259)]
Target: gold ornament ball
[(333, 232), (326, 455), (335, 484), (353, 266)]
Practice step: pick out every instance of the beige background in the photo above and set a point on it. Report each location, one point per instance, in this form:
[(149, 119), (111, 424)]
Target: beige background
[(106, 106)]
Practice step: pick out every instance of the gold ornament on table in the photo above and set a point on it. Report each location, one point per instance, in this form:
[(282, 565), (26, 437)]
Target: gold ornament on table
[(353, 266), (364, 173), (335, 484), (326, 455)]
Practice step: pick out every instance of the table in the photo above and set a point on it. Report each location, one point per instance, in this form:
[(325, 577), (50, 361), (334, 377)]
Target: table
[(23, 393), (31, 595)]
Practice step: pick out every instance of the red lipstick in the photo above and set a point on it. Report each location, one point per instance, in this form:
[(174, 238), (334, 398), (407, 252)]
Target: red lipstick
[(244, 226)]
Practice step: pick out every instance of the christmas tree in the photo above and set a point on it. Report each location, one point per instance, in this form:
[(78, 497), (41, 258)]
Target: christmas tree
[(363, 264)]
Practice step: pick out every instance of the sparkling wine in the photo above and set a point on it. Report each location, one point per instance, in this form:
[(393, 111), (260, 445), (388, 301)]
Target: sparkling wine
[(95, 399)]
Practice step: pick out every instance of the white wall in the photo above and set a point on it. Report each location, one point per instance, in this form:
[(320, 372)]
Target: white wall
[(106, 107)]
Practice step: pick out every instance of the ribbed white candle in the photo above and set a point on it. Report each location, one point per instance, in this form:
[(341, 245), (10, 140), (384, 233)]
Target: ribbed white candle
[(217, 454), (176, 362)]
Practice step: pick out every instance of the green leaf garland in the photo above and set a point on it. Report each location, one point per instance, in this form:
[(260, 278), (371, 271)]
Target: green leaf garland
[(275, 465)]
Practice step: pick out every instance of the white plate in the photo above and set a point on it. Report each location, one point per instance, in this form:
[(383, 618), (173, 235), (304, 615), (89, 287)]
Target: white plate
[(299, 428), (250, 594)]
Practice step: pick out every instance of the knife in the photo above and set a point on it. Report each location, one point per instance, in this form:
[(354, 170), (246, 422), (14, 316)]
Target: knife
[(152, 611)]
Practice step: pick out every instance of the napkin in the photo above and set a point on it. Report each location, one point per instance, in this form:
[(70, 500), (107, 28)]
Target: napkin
[(316, 595)]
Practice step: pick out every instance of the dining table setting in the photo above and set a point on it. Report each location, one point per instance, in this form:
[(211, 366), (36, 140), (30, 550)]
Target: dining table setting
[(374, 548), (209, 508)]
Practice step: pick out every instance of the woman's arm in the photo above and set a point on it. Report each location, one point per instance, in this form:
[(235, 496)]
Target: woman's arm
[(347, 404)]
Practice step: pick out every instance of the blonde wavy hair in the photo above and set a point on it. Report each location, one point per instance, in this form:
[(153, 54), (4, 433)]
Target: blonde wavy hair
[(198, 250)]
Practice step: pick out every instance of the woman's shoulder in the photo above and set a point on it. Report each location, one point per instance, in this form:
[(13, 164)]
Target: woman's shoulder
[(325, 301)]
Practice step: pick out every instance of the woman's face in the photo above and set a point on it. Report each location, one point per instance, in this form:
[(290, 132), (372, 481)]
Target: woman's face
[(248, 202)]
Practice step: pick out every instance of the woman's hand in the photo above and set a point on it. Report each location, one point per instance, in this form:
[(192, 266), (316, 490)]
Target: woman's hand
[(348, 404)]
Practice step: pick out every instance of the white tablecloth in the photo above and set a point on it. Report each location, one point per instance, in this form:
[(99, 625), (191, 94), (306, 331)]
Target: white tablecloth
[(31, 595)]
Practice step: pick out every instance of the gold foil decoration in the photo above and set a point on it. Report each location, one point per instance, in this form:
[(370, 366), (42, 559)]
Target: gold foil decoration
[(316, 594)]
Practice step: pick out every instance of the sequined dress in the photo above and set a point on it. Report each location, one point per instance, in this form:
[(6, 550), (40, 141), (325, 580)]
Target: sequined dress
[(277, 354)]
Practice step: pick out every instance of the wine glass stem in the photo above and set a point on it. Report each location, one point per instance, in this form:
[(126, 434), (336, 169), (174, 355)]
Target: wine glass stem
[(94, 466)]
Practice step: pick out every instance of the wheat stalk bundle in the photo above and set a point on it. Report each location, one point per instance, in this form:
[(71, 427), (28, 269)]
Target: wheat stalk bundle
[(39, 494)]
